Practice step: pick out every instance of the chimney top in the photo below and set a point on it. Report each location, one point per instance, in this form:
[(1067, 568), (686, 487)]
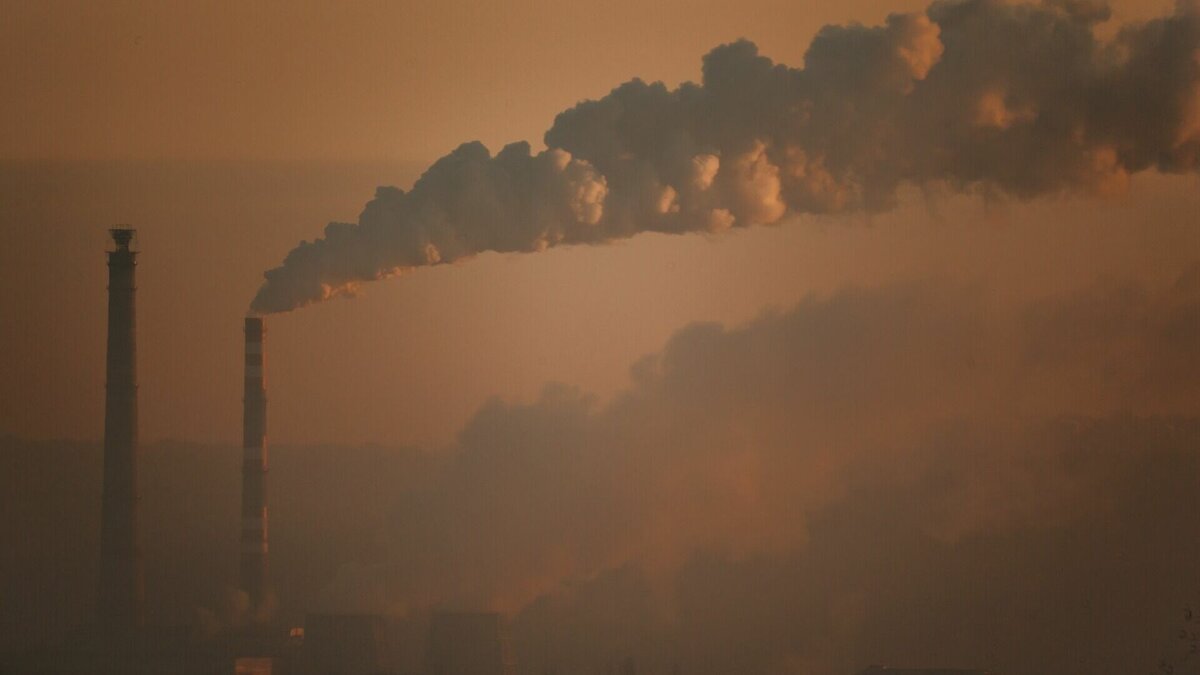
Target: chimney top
[(122, 235), (254, 328)]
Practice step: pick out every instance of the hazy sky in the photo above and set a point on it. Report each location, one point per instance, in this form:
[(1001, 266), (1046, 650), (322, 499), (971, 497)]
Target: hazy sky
[(414, 357), (359, 80)]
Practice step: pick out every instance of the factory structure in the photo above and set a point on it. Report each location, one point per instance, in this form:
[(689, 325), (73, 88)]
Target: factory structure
[(120, 641)]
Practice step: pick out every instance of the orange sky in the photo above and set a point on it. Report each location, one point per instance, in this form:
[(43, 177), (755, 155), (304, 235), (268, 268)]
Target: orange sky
[(359, 80), (311, 96)]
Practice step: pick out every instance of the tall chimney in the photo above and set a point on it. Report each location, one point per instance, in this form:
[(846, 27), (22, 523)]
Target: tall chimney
[(254, 468), (120, 592)]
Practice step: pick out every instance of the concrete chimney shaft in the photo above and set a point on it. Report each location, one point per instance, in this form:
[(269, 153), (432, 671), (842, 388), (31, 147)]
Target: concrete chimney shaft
[(120, 592), (254, 467)]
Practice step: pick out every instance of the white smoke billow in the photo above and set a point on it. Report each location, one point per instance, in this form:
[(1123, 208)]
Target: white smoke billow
[(1020, 98)]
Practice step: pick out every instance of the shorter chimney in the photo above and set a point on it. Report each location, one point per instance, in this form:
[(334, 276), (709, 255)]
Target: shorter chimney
[(254, 468)]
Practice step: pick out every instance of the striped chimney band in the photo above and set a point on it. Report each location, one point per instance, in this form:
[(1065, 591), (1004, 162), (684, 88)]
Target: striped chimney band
[(254, 523)]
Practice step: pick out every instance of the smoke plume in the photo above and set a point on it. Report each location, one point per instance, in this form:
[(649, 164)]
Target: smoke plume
[(1021, 99), (731, 440)]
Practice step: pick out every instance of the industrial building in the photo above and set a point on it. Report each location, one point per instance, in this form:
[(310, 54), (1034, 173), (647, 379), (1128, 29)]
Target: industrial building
[(468, 643), (431, 643), (889, 670), (328, 644)]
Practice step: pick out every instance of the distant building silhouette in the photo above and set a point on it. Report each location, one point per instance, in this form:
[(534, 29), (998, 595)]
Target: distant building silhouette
[(888, 670), (360, 644), (468, 643)]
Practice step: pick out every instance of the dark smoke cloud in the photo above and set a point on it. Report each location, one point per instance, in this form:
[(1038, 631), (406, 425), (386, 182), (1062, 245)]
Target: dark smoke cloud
[(734, 443), (1023, 99), (1084, 564)]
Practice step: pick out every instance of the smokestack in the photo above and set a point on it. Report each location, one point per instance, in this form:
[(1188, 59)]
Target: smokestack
[(254, 468), (120, 592)]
